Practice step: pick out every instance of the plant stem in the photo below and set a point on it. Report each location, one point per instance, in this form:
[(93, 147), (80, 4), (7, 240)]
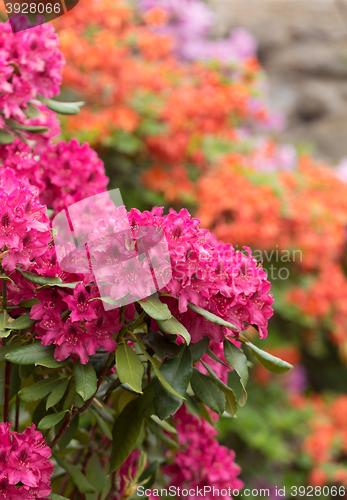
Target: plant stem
[(16, 425), (7, 389), (4, 295)]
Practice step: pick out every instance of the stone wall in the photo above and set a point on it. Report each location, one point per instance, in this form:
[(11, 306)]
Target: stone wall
[(303, 48)]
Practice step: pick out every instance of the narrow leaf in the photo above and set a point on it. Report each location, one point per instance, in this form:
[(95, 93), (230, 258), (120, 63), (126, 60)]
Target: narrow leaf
[(174, 327), (57, 394), (6, 138), (76, 475), (236, 358), (63, 108), (4, 317), (231, 401), (270, 362), (38, 390), (199, 348), (24, 321), (50, 362), (86, 381), (162, 380), (129, 367), (40, 280), (177, 372), (29, 354), (210, 316), (51, 420), (126, 431), (209, 393), (155, 308)]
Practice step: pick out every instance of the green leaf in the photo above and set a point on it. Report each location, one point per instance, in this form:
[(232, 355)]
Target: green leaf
[(149, 474), (54, 496), (177, 372), (37, 129), (60, 285), (6, 349), (22, 323), (126, 431), (160, 343), (76, 475), (28, 354), (63, 108), (209, 393), (101, 423), (51, 420), (129, 367), (210, 316), (95, 473), (214, 377), (57, 394), (38, 390), (199, 348), (25, 371), (107, 300), (158, 431), (31, 111), (231, 401), (275, 365), (174, 327), (236, 358), (28, 303), (86, 381), (3, 276), (69, 433), (4, 317), (215, 358), (40, 280), (6, 138), (165, 425), (15, 381), (50, 362), (155, 308), (158, 373)]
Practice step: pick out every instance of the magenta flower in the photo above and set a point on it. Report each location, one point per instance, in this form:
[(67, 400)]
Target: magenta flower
[(25, 469), (80, 306), (24, 225)]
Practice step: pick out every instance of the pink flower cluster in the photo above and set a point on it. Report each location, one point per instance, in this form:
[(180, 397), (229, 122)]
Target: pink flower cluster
[(24, 225), (87, 329), (30, 65), (202, 461), (25, 469), (213, 276), (63, 172)]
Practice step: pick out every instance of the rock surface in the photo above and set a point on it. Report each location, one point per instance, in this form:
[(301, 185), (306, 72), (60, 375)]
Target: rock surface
[(303, 48)]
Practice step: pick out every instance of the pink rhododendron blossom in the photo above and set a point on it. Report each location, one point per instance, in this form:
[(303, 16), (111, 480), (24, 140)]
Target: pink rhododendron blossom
[(202, 461), (25, 469), (64, 173), (24, 225), (30, 65)]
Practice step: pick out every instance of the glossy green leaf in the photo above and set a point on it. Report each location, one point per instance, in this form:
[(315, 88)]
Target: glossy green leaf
[(174, 327), (160, 343), (76, 475), (38, 390), (209, 393), (158, 373), (28, 303), (155, 308), (50, 362), (31, 111), (36, 129), (158, 431), (69, 433), (4, 332), (57, 394), (40, 280), (103, 426), (21, 323), (199, 348), (231, 401), (126, 431), (129, 367), (95, 473), (236, 358), (29, 354), (51, 420), (6, 138), (177, 372), (86, 381), (270, 362), (25, 371), (63, 108), (54, 496), (210, 316)]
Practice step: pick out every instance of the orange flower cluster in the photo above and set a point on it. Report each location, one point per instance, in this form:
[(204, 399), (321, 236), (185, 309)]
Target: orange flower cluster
[(133, 84), (327, 441)]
